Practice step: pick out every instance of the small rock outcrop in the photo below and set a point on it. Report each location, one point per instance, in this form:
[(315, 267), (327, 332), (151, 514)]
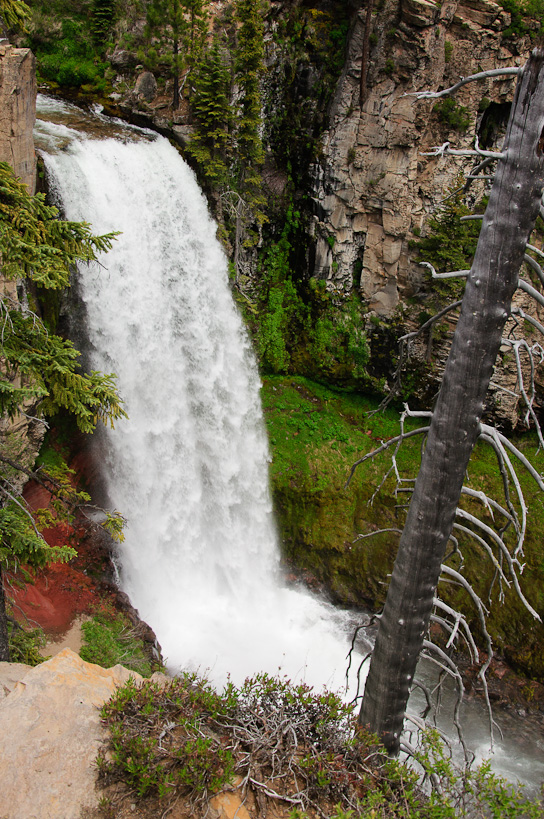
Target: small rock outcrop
[(50, 733)]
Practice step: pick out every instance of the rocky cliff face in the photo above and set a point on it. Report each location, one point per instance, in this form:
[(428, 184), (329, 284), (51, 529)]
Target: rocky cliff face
[(17, 117), (373, 185), (375, 188), (18, 111)]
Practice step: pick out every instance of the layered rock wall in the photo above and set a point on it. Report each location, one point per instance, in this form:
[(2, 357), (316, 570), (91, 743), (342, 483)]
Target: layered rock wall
[(18, 111), (375, 188), (373, 184)]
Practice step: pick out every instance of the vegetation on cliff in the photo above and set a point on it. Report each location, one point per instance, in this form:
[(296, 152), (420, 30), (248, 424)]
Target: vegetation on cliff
[(40, 372)]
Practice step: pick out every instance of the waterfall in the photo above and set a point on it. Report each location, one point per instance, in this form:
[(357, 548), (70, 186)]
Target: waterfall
[(188, 469)]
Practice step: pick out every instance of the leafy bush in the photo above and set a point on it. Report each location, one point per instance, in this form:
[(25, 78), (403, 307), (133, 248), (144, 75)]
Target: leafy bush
[(284, 741)]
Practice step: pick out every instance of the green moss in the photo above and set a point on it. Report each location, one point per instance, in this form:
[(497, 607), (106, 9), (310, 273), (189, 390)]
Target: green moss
[(111, 639), (316, 434)]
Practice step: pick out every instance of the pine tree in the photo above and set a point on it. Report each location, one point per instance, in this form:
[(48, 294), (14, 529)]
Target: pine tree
[(211, 108), (249, 67), (40, 372), (102, 19), (177, 31)]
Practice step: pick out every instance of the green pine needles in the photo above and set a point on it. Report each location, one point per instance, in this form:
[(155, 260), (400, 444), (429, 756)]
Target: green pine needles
[(102, 20), (40, 373), (176, 32), (14, 13), (211, 107), (38, 247)]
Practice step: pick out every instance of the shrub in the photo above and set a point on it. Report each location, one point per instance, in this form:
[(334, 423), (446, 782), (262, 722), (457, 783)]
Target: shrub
[(452, 114)]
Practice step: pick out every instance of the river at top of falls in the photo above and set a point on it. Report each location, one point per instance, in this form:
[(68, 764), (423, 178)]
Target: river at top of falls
[(188, 469)]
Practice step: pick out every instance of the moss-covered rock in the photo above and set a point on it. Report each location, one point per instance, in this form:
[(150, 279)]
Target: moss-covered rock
[(316, 434)]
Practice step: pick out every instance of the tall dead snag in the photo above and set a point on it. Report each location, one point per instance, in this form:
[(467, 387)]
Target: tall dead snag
[(455, 426)]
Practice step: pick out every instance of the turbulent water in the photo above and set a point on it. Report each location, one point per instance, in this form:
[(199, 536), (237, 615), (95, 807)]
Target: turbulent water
[(188, 470)]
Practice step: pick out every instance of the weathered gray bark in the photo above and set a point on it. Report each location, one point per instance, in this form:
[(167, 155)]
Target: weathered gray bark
[(508, 221), (4, 638)]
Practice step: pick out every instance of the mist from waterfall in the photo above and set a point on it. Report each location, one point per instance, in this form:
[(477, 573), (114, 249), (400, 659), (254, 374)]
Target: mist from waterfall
[(189, 468)]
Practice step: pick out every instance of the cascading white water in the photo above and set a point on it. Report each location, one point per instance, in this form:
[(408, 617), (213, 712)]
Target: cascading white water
[(188, 470)]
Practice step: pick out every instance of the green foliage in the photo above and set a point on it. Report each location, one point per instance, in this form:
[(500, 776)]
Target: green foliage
[(186, 740), (71, 59), (449, 244), (189, 756), (283, 313), (110, 639), (24, 646), (455, 116), (248, 70), (37, 246), (14, 13), (524, 16), (40, 372), (210, 105), (102, 20), (22, 543), (300, 327), (389, 67), (176, 32), (337, 337), (448, 51)]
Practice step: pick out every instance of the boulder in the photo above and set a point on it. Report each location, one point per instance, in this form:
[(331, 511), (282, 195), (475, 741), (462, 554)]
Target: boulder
[(50, 732), (146, 86)]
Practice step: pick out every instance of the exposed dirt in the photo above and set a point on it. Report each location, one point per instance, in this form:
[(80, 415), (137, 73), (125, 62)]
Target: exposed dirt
[(60, 596), (59, 593)]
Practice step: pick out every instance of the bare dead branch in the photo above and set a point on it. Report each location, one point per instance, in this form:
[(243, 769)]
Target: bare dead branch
[(445, 150), (383, 447), (481, 75)]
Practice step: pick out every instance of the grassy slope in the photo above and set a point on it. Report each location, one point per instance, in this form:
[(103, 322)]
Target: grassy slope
[(315, 435)]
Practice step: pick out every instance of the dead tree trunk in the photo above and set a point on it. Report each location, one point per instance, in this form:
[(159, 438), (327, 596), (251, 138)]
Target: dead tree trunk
[(4, 638), (508, 221)]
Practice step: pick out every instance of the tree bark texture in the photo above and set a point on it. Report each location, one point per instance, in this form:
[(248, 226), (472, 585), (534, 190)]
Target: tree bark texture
[(4, 638), (508, 221)]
